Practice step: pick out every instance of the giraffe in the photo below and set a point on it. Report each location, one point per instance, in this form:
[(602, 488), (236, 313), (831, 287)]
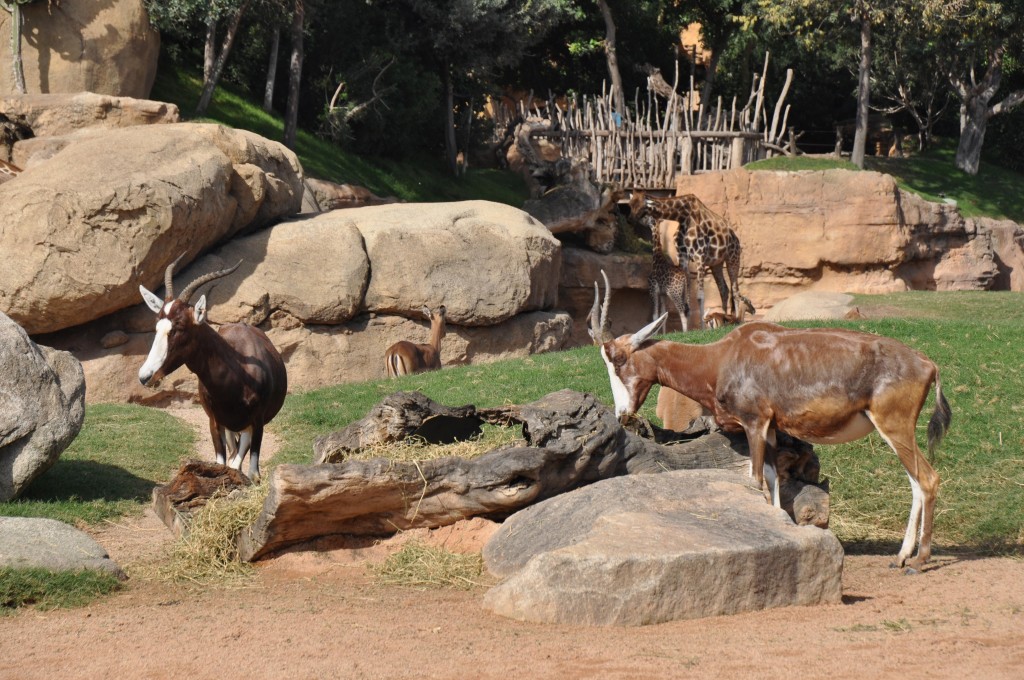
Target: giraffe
[(666, 277), (704, 239)]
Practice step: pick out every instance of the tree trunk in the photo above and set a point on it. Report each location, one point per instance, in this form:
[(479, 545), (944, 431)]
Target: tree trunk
[(210, 47), (450, 150), (863, 93), (222, 58), (268, 90), (17, 65), (291, 116), (618, 98), (973, 121)]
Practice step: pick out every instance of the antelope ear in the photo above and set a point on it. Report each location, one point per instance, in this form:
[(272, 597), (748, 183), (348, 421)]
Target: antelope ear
[(199, 311), (151, 300), (645, 333)]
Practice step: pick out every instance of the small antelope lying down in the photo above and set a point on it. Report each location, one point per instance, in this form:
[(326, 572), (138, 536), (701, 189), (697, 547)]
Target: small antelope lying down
[(406, 358), (821, 385), (723, 319), (242, 377)]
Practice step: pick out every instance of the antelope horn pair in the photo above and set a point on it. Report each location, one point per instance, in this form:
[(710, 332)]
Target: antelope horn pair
[(191, 288)]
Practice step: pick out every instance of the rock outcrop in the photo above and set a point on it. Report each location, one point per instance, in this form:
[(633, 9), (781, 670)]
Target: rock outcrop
[(843, 231), (105, 47), (42, 406), (334, 290), (53, 115), (112, 208), (646, 549)]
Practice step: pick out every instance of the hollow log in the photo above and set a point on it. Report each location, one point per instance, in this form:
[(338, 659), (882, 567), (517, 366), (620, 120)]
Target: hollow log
[(572, 440), (193, 485)]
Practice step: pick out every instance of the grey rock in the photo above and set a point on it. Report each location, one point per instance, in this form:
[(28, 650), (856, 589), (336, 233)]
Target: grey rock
[(42, 406), (645, 549), (35, 542)]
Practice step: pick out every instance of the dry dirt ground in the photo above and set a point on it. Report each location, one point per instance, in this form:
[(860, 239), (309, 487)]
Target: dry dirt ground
[(313, 615)]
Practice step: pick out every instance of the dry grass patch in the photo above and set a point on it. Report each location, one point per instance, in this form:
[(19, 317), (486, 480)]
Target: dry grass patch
[(208, 551), (419, 565), (416, 449)]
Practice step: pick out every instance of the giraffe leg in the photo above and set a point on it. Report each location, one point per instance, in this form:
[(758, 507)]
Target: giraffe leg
[(700, 296), (728, 303)]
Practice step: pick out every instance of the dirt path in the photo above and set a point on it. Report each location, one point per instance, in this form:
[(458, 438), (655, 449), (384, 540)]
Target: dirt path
[(315, 615)]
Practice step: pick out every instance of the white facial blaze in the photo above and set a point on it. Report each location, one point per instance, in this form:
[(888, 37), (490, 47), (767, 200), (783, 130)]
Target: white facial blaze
[(623, 402), (158, 353)]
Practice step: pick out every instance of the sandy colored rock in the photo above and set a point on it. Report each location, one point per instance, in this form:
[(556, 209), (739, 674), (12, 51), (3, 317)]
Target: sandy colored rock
[(486, 262), (113, 208), (842, 231), (646, 549), (811, 305), (53, 115), (105, 47)]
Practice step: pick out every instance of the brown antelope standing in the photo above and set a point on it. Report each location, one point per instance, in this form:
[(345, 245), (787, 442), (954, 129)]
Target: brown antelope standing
[(822, 385), (242, 378), (406, 358)]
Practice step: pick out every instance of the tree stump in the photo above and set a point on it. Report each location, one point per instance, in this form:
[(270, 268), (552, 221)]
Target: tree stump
[(194, 484)]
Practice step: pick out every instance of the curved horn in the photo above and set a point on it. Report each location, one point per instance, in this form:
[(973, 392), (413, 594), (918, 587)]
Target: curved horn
[(598, 321), (645, 333), (202, 280), (169, 276)]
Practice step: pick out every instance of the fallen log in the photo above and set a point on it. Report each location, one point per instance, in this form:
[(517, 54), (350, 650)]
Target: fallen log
[(193, 485), (572, 440)]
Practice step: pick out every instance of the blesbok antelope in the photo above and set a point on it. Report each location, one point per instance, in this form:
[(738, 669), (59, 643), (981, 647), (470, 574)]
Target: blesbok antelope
[(723, 319), (675, 411), (406, 358), (242, 378), (821, 385)]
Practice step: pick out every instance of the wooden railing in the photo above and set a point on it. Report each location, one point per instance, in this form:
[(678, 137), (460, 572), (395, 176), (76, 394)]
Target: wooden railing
[(661, 137)]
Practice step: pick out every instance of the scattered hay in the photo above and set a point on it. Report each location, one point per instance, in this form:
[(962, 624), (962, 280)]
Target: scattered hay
[(208, 551), (419, 565), (416, 449)]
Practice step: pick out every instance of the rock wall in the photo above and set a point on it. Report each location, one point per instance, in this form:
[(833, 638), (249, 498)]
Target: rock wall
[(105, 47), (844, 231)]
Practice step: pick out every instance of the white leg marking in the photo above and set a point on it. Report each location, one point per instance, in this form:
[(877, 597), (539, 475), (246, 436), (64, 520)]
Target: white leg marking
[(916, 503), (771, 478)]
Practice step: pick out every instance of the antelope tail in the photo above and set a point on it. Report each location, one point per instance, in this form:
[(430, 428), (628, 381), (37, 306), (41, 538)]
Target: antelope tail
[(940, 420)]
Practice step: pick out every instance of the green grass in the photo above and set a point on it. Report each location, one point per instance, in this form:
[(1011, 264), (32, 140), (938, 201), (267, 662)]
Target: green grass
[(993, 192), (421, 180), (44, 589), (974, 337), (110, 469)]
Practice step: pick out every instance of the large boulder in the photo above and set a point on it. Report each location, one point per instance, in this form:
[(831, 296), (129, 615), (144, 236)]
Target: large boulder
[(112, 208), (307, 283), (485, 261), (105, 47), (645, 549), (51, 115), (843, 231), (42, 406)]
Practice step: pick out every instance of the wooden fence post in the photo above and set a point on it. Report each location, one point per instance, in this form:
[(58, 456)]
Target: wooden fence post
[(686, 157), (738, 152)]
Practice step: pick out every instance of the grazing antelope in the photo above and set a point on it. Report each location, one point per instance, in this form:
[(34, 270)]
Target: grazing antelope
[(406, 358), (722, 319), (242, 378), (821, 385), (676, 411)]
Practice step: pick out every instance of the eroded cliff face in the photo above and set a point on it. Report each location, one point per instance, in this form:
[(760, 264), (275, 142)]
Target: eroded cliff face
[(844, 231), (834, 230)]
